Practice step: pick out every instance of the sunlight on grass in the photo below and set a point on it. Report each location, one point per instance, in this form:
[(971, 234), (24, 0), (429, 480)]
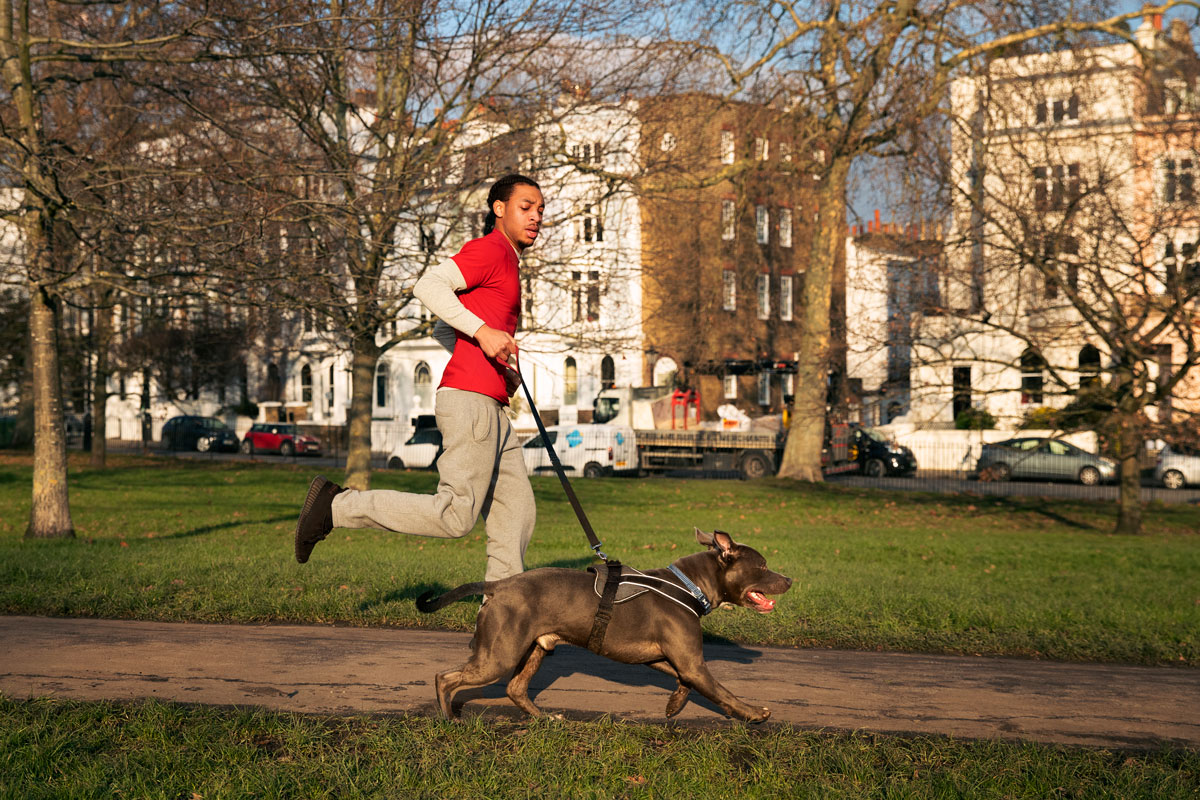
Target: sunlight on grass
[(170, 540)]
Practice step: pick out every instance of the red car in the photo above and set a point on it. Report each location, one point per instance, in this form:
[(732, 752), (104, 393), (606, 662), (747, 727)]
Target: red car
[(279, 437)]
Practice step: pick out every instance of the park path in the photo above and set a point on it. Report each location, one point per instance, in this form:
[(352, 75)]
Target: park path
[(339, 670)]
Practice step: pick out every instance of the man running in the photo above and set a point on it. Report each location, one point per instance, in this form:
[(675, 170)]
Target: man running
[(477, 293)]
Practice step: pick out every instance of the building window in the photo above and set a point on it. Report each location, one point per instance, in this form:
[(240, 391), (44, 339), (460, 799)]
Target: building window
[(570, 382), (762, 148), (1089, 366), (329, 391), (527, 320), (764, 388), (423, 385), (586, 153), (785, 151), (1179, 180), (306, 384), (608, 373), (589, 226), (381, 385), (1056, 267), (961, 385), (730, 387), (727, 148), (1057, 110), (585, 296), (785, 298), (785, 227), (764, 296), (788, 385), (1033, 379), (728, 220), (668, 142), (1179, 97), (728, 290), (762, 225), (1056, 187)]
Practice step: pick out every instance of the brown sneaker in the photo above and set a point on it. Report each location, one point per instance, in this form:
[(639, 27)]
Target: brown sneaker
[(316, 518)]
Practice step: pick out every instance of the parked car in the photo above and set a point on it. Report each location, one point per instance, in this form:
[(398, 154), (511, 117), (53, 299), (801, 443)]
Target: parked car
[(189, 432), (1178, 466), (1045, 459), (279, 437), (589, 450), (421, 451)]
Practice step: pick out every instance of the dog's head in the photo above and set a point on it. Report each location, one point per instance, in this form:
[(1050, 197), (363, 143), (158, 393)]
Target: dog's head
[(742, 573)]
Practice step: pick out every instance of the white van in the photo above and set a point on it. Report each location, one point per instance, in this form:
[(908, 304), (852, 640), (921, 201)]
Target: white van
[(588, 450)]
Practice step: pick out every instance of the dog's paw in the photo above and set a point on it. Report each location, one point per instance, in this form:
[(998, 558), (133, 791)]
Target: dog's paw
[(761, 716)]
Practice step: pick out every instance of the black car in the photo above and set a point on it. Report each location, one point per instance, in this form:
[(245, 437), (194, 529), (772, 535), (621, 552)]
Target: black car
[(198, 433), (878, 456)]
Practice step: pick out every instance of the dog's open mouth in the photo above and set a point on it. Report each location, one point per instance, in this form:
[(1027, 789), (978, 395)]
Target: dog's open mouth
[(760, 602)]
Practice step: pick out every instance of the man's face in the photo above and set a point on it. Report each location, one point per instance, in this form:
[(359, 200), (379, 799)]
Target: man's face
[(520, 218)]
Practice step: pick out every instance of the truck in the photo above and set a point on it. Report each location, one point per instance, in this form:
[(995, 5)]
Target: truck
[(668, 434)]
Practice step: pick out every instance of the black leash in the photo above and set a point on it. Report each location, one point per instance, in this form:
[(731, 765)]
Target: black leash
[(613, 580)]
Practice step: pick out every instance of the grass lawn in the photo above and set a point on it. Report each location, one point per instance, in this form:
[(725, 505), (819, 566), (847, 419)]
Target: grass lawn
[(212, 541), (52, 749)]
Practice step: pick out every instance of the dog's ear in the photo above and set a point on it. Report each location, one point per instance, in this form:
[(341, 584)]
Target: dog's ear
[(720, 541)]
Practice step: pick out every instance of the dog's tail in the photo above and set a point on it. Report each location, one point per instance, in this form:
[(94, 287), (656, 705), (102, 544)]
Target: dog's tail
[(430, 602)]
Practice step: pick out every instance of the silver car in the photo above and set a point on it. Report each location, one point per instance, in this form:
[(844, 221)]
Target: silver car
[(1044, 459), (1178, 466)]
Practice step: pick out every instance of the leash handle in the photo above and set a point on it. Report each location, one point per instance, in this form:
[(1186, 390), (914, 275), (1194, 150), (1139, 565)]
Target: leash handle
[(593, 540)]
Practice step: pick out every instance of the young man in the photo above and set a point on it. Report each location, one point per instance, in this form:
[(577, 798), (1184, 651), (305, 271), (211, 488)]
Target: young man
[(477, 293)]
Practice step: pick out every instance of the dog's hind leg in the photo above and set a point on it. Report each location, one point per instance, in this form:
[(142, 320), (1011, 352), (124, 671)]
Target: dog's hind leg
[(518, 687), (678, 698), (475, 673)]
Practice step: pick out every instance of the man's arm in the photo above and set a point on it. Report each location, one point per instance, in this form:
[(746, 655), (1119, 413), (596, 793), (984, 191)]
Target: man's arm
[(437, 290)]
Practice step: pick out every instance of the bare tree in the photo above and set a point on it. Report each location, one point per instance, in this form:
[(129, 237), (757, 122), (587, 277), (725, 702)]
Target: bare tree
[(366, 132), (1073, 276), (857, 78), (51, 55)]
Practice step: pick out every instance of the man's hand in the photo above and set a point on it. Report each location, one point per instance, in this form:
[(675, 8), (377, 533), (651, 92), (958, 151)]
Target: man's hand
[(496, 344)]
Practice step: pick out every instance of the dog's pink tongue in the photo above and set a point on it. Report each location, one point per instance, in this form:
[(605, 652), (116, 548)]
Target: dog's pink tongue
[(762, 601)]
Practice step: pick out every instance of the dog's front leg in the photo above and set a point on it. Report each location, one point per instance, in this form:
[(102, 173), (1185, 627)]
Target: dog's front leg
[(694, 672), (678, 698)]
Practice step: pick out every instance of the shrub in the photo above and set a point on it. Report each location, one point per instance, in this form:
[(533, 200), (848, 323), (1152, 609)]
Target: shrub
[(974, 419)]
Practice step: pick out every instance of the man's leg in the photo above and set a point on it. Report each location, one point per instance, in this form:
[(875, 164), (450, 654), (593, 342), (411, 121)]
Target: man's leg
[(470, 436), (510, 512)]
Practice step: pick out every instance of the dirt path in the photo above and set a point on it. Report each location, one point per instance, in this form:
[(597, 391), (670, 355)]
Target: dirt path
[(372, 670)]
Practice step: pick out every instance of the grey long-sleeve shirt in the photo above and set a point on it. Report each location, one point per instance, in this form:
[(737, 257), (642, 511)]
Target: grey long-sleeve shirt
[(438, 289)]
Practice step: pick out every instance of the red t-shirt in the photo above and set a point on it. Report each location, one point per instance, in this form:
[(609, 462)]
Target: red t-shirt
[(489, 265)]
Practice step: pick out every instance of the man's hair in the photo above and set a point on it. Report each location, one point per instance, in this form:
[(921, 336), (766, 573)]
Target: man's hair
[(502, 190)]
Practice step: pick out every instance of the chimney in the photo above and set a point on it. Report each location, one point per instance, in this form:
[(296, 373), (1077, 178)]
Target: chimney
[(1180, 34), (1145, 34)]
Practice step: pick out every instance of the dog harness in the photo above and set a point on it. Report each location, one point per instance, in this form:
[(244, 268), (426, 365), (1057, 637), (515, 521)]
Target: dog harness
[(633, 583)]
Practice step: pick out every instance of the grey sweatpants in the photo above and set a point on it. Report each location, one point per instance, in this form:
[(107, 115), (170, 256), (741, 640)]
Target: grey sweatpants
[(481, 471)]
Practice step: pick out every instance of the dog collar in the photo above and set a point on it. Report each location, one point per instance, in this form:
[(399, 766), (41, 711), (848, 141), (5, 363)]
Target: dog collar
[(693, 588)]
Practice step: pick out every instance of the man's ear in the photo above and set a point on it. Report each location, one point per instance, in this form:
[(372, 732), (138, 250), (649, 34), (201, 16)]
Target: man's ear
[(498, 208)]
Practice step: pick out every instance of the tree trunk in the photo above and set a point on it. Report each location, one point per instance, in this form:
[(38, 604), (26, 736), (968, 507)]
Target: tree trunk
[(365, 354), (50, 513), (1129, 493), (806, 432), (101, 334), (23, 431)]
